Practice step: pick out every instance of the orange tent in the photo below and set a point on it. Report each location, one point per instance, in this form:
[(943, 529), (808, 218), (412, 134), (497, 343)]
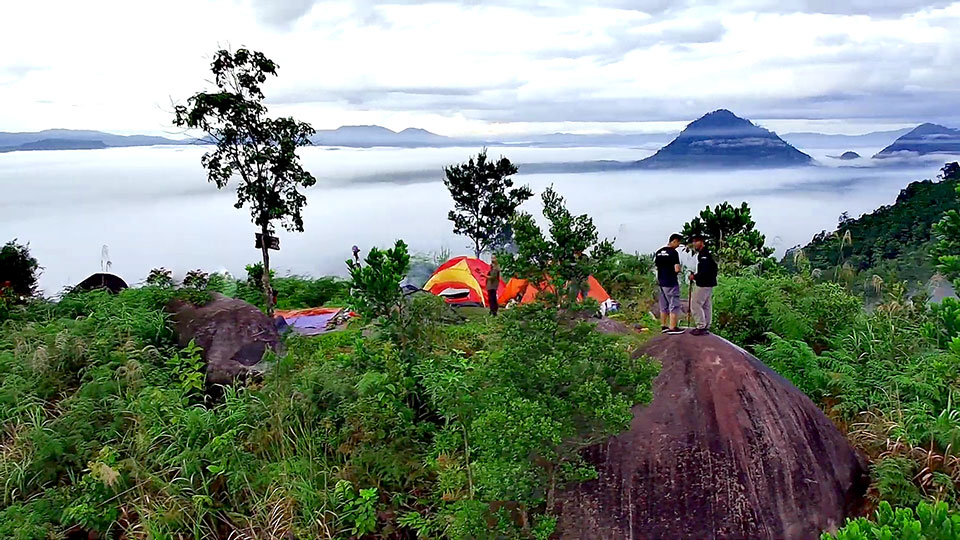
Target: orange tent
[(462, 280), (527, 292)]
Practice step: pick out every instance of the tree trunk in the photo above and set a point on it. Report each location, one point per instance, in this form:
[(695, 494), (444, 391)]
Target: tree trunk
[(267, 290)]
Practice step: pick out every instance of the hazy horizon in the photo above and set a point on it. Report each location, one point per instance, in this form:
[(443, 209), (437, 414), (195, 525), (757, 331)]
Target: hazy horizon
[(152, 206)]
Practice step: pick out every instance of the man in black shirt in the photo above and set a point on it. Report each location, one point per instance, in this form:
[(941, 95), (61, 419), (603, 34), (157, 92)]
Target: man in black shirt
[(667, 261), (701, 302)]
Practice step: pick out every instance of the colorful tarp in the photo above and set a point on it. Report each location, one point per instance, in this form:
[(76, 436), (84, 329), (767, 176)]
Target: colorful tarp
[(313, 321), (462, 281)]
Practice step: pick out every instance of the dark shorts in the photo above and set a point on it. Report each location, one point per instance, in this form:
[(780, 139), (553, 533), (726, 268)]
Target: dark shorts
[(670, 299)]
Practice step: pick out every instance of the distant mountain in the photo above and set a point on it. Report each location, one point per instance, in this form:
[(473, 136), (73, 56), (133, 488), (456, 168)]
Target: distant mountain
[(723, 139), (924, 139), (824, 140), (849, 155), (568, 140), (55, 144), (82, 138), (370, 136)]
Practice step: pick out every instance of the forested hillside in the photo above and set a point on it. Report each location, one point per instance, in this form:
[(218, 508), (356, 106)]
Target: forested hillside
[(892, 242)]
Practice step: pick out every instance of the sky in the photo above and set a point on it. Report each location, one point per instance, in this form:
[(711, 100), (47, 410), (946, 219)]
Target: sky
[(472, 67)]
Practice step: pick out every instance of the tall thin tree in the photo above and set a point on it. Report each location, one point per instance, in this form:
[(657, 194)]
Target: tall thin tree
[(261, 151)]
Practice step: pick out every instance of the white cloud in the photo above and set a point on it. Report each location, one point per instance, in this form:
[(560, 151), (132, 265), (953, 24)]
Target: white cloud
[(488, 67)]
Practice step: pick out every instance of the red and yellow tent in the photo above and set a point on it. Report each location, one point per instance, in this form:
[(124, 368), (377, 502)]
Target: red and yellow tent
[(462, 280), (527, 292)]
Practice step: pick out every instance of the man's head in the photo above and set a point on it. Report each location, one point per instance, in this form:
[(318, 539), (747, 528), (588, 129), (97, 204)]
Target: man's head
[(697, 240), (675, 240), (493, 259)]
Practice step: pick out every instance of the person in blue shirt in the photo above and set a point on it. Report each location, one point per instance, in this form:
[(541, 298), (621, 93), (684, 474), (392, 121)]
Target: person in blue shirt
[(667, 261)]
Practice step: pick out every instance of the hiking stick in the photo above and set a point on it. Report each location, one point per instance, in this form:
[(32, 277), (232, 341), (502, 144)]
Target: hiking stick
[(689, 303)]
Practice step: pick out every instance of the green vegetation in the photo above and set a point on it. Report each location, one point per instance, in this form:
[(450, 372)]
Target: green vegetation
[(894, 242), (376, 283), (484, 200), (18, 274), (732, 233), (261, 151), (426, 422), (562, 261), (445, 428), (930, 522)]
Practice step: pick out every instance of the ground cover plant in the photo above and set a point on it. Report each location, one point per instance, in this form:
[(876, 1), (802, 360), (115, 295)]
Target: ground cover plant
[(446, 428)]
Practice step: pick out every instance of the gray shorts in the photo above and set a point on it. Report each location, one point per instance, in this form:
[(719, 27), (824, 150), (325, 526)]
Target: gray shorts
[(670, 299)]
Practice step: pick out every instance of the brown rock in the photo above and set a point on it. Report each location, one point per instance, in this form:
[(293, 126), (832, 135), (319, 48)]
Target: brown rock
[(728, 449), (606, 325), (232, 333)]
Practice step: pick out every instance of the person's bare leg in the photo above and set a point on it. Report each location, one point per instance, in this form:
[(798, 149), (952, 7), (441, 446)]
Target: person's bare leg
[(673, 320), (663, 319)]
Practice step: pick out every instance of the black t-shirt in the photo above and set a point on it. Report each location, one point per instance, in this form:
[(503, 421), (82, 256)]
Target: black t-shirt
[(706, 269), (666, 261)]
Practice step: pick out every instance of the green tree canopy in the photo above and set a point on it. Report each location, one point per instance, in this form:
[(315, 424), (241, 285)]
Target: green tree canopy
[(731, 232), (484, 199), (947, 231), (565, 258), (261, 151)]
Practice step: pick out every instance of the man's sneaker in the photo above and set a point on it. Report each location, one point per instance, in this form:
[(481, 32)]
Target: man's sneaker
[(699, 331), (663, 329), (674, 331)]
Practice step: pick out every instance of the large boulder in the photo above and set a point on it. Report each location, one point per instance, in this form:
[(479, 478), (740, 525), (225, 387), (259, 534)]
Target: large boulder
[(727, 449), (233, 334)]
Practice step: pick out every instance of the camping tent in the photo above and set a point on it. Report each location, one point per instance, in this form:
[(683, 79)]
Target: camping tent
[(102, 280), (525, 292), (462, 281)]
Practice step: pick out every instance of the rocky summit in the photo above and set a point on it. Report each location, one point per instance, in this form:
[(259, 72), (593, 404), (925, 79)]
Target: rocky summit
[(727, 449)]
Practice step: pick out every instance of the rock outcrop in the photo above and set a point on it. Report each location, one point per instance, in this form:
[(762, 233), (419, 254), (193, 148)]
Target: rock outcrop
[(728, 449), (233, 334)]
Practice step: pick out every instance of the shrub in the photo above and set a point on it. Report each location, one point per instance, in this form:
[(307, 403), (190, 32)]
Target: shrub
[(160, 277), (300, 292), (18, 273), (929, 522), (375, 284), (749, 307), (796, 361), (196, 279)]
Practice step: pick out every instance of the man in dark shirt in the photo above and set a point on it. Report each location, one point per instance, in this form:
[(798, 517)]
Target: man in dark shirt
[(667, 261), (701, 301)]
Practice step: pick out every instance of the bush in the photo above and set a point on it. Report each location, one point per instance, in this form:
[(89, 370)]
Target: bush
[(748, 308), (18, 273), (160, 277), (929, 522), (196, 279), (375, 284), (294, 292), (796, 361)]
